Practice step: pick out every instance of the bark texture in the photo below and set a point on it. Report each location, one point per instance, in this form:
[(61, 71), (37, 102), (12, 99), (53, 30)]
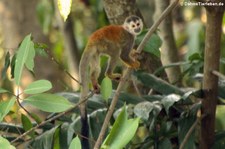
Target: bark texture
[(210, 82)]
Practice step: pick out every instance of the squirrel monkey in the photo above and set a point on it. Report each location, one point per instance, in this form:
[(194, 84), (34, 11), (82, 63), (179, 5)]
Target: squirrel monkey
[(115, 41)]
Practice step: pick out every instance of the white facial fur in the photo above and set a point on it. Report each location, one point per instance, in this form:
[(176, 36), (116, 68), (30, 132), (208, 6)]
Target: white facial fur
[(133, 24)]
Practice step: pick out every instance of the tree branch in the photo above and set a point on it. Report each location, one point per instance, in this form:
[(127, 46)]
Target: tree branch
[(128, 71), (52, 119)]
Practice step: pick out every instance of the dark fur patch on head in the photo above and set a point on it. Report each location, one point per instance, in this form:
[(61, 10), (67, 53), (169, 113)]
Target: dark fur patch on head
[(132, 18)]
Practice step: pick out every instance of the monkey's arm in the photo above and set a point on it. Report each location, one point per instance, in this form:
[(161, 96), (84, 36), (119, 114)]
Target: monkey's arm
[(126, 54)]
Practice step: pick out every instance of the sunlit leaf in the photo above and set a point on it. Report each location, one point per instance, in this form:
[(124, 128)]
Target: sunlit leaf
[(5, 107), (122, 131), (64, 8), (75, 144), (169, 100), (143, 109), (49, 102), (39, 86), (4, 144), (106, 88)]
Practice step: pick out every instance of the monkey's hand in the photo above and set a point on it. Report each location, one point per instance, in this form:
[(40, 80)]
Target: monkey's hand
[(134, 54), (135, 64)]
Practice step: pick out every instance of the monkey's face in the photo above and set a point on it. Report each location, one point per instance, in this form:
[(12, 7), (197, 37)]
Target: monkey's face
[(133, 24)]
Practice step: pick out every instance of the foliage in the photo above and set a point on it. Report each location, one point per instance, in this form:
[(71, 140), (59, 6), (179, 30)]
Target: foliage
[(159, 120)]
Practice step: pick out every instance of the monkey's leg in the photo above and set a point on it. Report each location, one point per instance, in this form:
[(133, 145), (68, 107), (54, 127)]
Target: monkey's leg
[(111, 66), (95, 71)]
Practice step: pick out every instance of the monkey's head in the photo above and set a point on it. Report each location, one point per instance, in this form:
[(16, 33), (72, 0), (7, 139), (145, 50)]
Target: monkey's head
[(133, 24)]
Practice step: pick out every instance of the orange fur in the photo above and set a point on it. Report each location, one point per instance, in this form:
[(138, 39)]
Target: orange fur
[(111, 32)]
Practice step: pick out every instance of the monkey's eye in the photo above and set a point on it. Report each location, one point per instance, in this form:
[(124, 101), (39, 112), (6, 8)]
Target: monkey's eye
[(138, 24), (133, 26)]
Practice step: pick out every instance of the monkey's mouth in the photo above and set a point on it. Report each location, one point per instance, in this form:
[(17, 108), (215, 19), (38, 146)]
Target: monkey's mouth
[(137, 30)]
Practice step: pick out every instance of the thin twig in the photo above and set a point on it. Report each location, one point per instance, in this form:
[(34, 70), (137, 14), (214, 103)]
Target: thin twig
[(218, 74), (136, 87), (62, 68), (128, 71), (187, 136), (52, 119)]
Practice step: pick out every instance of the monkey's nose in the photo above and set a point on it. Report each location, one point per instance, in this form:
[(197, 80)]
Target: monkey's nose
[(137, 30)]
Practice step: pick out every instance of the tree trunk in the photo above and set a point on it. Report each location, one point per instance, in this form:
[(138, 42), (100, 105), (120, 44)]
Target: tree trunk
[(169, 52), (210, 82)]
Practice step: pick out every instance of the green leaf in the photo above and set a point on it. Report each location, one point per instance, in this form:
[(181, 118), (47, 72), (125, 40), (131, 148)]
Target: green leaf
[(27, 125), (2, 90), (5, 107), (49, 102), (75, 144), (122, 131), (36, 118), (6, 66), (40, 49), (26, 49), (169, 100), (157, 84), (165, 144), (106, 88), (45, 140), (64, 8), (12, 65), (30, 58), (184, 125), (143, 109), (4, 143), (153, 45), (39, 86)]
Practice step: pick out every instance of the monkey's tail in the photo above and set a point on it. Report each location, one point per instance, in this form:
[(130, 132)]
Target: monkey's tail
[(84, 79)]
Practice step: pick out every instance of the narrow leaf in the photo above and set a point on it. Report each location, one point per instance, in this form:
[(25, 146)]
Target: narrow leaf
[(12, 65), (22, 57), (6, 66), (75, 144), (106, 88), (2, 90), (27, 124), (49, 102), (5, 107), (39, 86), (30, 58)]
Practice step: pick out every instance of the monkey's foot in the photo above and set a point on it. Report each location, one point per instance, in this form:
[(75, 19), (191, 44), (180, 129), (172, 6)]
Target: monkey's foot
[(134, 64)]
